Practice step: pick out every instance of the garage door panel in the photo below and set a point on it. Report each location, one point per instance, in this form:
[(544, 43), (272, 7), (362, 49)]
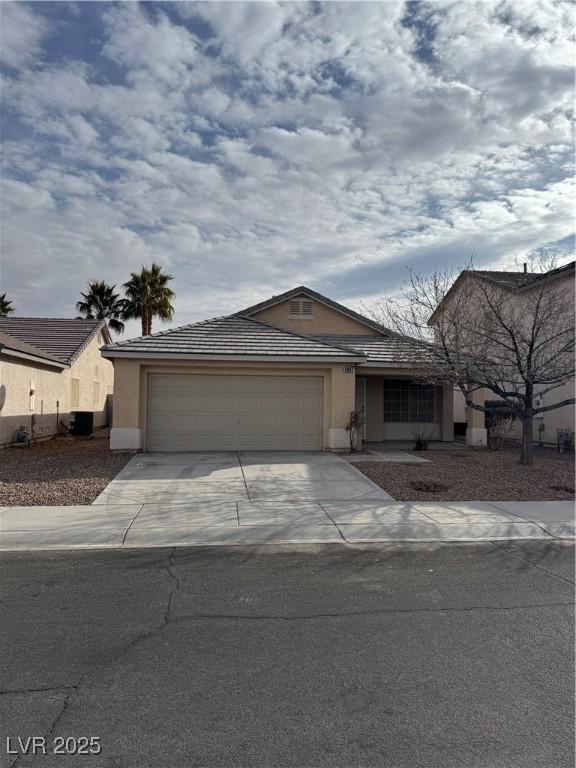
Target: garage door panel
[(209, 412), (248, 403)]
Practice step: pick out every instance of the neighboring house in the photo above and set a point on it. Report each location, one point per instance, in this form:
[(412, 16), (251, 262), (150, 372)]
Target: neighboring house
[(49, 367), (284, 374), (519, 286)]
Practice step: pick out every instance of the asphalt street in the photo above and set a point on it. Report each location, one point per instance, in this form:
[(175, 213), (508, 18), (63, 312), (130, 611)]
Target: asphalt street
[(397, 656)]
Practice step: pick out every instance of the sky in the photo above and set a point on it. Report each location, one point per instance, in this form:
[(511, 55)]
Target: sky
[(250, 147)]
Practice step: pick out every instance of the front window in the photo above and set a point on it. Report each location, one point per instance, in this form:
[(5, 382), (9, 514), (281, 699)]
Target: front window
[(408, 401)]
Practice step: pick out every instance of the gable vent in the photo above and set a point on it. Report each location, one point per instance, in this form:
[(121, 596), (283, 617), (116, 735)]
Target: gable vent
[(301, 309), (294, 307)]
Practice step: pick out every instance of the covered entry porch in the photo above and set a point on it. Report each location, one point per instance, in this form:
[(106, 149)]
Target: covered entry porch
[(400, 405)]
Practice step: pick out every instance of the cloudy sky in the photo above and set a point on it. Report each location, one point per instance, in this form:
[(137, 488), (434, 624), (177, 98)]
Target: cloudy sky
[(252, 147)]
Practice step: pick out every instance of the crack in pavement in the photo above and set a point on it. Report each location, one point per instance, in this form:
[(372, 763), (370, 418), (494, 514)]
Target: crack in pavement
[(74, 687), (534, 565), (15, 691), (334, 523), (131, 524), (243, 476), (171, 570), (375, 612), (168, 619)]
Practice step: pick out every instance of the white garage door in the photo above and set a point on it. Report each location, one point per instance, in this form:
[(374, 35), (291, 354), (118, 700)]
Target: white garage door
[(192, 412)]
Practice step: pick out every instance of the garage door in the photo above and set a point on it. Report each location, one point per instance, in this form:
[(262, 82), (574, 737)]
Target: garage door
[(191, 412)]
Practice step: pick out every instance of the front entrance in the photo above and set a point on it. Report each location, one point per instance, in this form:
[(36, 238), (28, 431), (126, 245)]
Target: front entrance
[(399, 407)]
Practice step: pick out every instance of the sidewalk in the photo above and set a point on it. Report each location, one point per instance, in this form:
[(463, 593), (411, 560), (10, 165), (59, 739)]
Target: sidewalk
[(215, 522)]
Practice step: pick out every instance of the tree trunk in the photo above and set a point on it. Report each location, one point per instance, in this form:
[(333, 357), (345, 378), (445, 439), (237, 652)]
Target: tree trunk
[(527, 453), (145, 320)]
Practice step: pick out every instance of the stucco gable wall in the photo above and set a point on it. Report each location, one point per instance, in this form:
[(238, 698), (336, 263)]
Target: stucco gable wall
[(96, 376), (524, 297), (324, 319)]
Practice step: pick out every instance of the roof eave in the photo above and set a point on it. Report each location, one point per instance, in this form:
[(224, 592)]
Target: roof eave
[(395, 364), (136, 354), (32, 358)]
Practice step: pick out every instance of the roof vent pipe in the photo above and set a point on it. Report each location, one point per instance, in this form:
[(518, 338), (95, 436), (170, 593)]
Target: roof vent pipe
[(525, 267)]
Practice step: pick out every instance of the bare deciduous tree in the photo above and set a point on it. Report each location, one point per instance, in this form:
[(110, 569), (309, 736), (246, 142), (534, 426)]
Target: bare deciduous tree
[(481, 335)]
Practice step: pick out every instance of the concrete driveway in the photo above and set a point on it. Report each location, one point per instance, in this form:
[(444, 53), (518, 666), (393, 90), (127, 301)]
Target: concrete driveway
[(153, 478), (195, 499), (229, 497)]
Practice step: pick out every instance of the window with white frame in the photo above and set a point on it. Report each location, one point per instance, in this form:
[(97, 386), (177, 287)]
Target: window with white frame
[(408, 401), (95, 392)]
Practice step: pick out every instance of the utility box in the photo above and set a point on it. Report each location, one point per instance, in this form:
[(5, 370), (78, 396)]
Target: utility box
[(81, 423)]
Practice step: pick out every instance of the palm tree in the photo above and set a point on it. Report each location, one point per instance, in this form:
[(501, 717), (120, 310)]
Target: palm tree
[(5, 305), (100, 302), (148, 296)]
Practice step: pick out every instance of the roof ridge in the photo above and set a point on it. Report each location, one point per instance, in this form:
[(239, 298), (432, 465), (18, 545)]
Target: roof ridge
[(167, 331), (81, 347), (298, 335), (505, 272)]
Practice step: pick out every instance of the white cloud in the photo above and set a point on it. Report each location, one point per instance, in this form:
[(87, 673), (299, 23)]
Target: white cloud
[(21, 34), (135, 42), (246, 29), (83, 131), (297, 144)]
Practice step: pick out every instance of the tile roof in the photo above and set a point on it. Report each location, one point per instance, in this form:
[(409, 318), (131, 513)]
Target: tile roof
[(508, 279), (224, 337), (64, 338), (516, 280), (554, 272), (10, 343), (255, 308), (383, 349)]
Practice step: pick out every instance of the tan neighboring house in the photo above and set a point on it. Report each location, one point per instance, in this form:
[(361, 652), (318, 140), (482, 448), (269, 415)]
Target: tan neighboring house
[(49, 367), (519, 286), (284, 374)]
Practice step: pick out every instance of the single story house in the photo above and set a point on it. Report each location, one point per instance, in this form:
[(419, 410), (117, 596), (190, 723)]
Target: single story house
[(49, 367), (284, 374)]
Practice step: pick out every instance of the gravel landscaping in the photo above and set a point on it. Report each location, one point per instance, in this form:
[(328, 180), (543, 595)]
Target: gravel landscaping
[(61, 471), (476, 475)]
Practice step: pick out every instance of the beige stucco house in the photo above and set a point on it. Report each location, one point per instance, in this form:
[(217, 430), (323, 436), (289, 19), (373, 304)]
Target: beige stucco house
[(49, 367), (521, 289), (284, 374)]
